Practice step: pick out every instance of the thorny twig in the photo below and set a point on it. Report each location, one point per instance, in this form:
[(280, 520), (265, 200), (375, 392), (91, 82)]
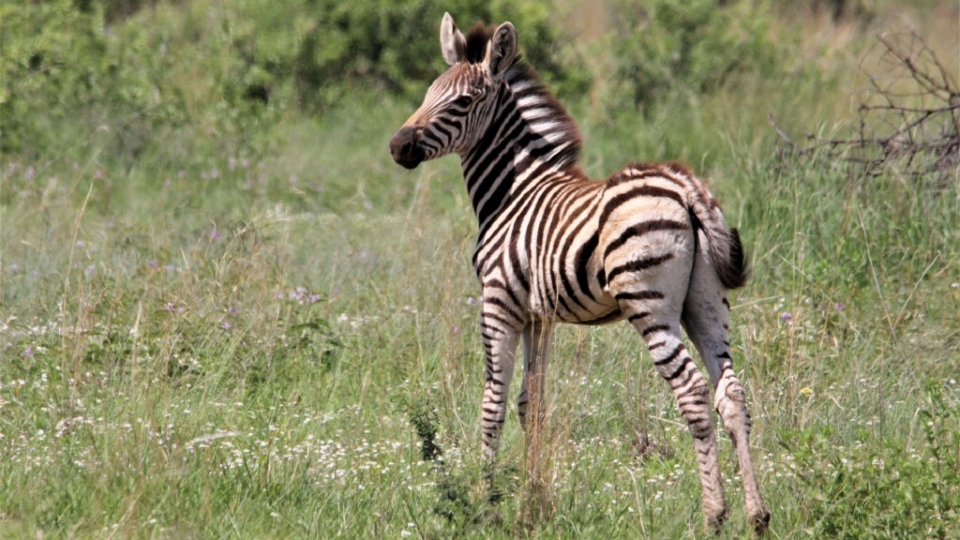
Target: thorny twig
[(909, 117)]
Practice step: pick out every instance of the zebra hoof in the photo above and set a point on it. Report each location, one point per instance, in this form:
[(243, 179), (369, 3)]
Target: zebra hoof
[(760, 521), (714, 518)]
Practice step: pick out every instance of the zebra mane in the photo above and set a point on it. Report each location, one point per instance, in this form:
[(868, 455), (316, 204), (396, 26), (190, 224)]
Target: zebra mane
[(543, 113)]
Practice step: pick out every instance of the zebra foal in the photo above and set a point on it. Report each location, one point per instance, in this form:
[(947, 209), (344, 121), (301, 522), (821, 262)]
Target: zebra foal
[(648, 245)]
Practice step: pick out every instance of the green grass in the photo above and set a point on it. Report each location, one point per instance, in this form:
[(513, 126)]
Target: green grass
[(212, 341)]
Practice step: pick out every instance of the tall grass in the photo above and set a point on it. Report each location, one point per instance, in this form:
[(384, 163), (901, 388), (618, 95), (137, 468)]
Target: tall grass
[(211, 341)]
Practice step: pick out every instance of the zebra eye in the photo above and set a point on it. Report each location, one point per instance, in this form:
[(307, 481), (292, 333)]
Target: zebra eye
[(463, 101)]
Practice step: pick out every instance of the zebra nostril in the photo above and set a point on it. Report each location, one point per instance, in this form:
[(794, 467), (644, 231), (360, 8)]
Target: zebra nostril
[(405, 148)]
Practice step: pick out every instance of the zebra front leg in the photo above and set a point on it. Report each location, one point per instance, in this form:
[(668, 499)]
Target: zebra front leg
[(500, 346), (537, 340)]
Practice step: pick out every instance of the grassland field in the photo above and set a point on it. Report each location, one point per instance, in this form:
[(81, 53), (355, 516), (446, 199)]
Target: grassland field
[(211, 341)]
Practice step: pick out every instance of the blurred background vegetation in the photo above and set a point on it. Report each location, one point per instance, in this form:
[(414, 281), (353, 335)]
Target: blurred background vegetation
[(142, 67), (202, 232)]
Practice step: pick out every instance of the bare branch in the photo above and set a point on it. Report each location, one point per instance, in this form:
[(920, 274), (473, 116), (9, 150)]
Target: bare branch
[(784, 136), (909, 117)]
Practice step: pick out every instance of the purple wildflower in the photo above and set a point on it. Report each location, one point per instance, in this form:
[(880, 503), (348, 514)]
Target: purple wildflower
[(28, 353), (153, 265), (786, 317), (841, 306), (215, 235)]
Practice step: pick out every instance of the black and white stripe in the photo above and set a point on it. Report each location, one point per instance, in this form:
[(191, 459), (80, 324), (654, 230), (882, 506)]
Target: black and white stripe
[(649, 245)]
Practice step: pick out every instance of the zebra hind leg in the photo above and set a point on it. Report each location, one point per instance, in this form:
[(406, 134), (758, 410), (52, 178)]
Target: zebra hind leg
[(692, 394), (731, 403), (705, 318), (730, 400)]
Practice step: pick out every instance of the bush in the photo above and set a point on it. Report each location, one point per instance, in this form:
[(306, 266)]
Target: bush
[(135, 66), (666, 47), (387, 45), (61, 70)]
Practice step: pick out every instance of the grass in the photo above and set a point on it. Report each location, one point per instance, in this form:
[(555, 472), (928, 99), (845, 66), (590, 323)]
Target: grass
[(203, 343)]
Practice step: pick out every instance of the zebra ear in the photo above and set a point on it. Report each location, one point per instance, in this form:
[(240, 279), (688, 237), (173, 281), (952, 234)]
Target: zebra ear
[(452, 42), (502, 49)]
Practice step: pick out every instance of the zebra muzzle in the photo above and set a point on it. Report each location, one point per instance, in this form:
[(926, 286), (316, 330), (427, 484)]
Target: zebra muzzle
[(405, 147)]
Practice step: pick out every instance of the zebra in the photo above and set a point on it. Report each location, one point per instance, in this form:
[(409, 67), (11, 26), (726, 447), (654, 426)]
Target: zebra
[(649, 245)]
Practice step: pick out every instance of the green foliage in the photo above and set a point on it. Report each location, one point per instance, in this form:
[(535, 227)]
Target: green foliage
[(391, 46), (113, 10), (665, 47), (66, 79), (423, 417), (221, 317), (54, 63), (886, 490), (70, 69)]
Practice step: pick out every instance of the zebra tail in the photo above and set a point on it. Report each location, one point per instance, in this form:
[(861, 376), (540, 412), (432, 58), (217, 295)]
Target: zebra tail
[(733, 269), (725, 249)]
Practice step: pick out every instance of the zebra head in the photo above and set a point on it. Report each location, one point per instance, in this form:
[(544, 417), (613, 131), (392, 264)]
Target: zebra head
[(459, 104)]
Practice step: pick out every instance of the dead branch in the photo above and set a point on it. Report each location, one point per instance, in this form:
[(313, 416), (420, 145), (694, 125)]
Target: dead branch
[(909, 117)]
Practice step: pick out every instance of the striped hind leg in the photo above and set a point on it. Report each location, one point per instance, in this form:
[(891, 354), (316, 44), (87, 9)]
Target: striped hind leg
[(705, 318), (659, 323)]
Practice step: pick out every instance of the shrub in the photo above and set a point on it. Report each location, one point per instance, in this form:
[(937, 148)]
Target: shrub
[(665, 47), (390, 46), (223, 66), (60, 69)]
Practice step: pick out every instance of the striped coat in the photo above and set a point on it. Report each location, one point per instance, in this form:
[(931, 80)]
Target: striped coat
[(649, 245)]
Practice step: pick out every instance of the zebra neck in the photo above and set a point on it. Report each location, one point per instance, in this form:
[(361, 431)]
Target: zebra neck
[(508, 160), (490, 172)]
